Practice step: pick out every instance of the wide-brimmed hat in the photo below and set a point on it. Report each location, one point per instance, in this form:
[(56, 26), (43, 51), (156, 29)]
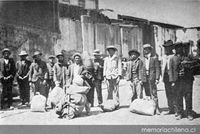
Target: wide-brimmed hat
[(85, 71), (59, 54), (168, 43), (111, 47), (6, 50), (51, 57), (23, 53), (37, 53), (76, 54), (96, 52), (134, 51), (147, 46)]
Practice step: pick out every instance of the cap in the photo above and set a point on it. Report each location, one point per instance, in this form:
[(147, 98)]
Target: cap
[(133, 51), (111, 47)]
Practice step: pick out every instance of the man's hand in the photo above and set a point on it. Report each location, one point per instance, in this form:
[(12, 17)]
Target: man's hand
[(173, 84), (118, 79), (141, 83), (44, 82), (20, 77), (157, 81), (30, 84)]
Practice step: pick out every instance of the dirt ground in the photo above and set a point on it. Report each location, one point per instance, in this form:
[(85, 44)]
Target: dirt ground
[(97, 117)]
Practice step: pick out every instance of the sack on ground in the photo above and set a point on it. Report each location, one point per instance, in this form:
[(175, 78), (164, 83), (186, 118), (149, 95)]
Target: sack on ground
[(78, 99), (109, 105), (67, 109), (143, 106), (38, 103), (73, 89), (56, 95)]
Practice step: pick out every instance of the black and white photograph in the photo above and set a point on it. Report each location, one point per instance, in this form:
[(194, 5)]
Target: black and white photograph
[(101, 63)]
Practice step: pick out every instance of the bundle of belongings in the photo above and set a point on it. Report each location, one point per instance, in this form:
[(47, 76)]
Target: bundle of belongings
[(38, 103), (144, 106), (74, 100), (109, 105), (55, 96)]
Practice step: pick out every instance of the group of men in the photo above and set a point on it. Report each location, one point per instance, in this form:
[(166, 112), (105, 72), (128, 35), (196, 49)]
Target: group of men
[(177, 72), (142, 72), (39, 76)]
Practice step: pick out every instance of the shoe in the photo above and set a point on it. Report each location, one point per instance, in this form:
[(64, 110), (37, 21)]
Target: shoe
[(158, 112), (169, 112), (179, 116), (11, 108), (20, 104), (190, 117)]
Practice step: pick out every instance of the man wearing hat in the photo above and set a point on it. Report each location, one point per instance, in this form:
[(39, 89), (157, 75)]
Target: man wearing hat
[(183, 80), (50, 65), (38, 74), (151, 74), (7, 74), (112, 73), (60, 71), (98, 74), (23, 68), (76, 68), (167, 76), (134, 74)]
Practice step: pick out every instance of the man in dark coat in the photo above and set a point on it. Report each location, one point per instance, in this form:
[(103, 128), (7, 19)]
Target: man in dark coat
[(23, 68), (50, 66), (167, 76), (38, 74), (98, 74), (60, 72), (185, 79), (7, 74), (151, 75), (134, 74)]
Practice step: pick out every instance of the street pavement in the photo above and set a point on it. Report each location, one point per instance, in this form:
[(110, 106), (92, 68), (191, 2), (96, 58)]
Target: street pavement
[(97, 117)]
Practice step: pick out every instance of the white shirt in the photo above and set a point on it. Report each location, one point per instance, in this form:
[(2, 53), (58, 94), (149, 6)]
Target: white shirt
[(6, 61), (147, 61), (76, 69)]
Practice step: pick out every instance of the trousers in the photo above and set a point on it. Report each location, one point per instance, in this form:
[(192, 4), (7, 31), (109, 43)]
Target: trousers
[(113, 89)]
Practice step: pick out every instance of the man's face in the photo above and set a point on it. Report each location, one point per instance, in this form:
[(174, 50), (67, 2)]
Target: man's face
[(77, 59), (60, 58), (179, 50), (37, 57), (23, 57), (111, 51), (168, 50), (97, 56), (133, 56), (6, 55), (51, 60), (147, 50)]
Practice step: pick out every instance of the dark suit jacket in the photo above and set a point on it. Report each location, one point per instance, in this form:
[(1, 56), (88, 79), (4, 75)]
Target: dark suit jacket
[(154, 70), (173, 68), (11, 71), (23, 71), (38, 70), (71, 72), (137, 67)]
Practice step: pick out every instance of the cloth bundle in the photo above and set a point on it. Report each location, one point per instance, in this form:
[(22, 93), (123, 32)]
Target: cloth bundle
[(55, 96), (109, 105), (143, 106), (38, 103)]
